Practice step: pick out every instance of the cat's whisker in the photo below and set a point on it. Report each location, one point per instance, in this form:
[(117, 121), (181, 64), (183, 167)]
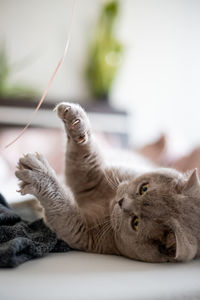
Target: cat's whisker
[(102, 235), (115, 179), (110, 181), (105, 230), (99, 224), (101, 230)]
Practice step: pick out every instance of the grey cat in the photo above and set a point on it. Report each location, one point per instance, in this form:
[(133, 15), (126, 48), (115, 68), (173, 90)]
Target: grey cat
[(153, 217)]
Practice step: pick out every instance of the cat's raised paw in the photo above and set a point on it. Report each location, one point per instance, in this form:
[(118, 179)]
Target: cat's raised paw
[(76, 121), (34, 173)]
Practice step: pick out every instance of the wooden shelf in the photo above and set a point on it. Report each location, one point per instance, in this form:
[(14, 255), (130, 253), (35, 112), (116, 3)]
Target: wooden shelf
[(104, 118)]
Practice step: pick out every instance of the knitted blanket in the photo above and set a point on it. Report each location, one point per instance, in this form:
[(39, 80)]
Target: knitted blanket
[(21, 240)]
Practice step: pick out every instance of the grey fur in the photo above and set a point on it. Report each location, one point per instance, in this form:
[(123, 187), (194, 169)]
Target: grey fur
[(95, 209)]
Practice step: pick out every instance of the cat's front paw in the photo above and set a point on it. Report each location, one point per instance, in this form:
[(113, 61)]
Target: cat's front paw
[(34, 173), (76, 121)]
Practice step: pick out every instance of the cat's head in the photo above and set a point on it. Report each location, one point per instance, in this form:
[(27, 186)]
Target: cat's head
[(156, 216)]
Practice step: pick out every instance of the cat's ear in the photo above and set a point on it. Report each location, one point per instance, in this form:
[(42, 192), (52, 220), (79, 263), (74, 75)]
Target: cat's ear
[(177, 244), (192, 185)]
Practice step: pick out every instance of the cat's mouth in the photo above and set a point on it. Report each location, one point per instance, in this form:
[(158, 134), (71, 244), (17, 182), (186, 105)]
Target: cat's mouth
[(116, 217), (113, 204)]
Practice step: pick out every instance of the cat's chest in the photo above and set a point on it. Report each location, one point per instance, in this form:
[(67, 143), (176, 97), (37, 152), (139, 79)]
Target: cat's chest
[(97, 211)]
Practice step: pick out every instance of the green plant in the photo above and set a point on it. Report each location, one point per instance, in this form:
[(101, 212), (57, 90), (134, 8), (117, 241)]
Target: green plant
[(6, 71), (105, 52)]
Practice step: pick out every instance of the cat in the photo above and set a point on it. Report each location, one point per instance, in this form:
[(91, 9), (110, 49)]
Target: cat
[(151, 217)]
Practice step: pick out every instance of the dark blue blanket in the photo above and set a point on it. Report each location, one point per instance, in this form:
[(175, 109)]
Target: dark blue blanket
[(21, 240)]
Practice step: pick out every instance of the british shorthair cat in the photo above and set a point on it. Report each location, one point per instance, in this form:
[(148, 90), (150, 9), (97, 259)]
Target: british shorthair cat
[(152, 217)]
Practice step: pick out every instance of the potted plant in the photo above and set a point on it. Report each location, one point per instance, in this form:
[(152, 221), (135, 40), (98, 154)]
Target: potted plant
[(8, 90), (105, 52)]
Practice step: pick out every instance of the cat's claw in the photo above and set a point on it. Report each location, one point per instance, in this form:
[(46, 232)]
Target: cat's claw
[(74, 123), (62, 109), (75, 120), (33, 171)]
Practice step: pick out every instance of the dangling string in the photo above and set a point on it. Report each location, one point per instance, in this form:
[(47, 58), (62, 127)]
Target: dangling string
[(51, 79)]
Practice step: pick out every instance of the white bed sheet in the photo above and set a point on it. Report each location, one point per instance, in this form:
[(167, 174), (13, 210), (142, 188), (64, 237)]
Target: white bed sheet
[(78, 275)]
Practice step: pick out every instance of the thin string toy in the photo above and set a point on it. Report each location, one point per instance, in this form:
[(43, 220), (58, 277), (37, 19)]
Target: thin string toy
[(50, 80)]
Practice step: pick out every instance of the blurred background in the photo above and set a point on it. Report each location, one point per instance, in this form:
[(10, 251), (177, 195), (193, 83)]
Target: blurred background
[(133, 64)]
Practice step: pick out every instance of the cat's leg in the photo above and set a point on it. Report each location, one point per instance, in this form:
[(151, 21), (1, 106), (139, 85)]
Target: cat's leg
[(84, 165), (62, 214)]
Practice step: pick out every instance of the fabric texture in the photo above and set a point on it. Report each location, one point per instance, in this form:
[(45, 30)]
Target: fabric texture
[(21, 240)]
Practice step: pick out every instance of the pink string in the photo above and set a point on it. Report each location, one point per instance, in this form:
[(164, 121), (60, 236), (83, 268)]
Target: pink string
[(50, 81)]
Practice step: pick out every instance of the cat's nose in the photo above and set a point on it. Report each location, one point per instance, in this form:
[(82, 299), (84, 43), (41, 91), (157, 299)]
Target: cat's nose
[(120, 202), (126, 205)]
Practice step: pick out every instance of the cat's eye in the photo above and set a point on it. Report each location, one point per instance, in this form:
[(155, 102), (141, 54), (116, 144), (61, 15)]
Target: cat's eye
[(143, 189), (135, 223)]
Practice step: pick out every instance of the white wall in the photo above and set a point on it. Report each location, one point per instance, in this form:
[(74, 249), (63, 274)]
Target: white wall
[(159, 78), (39, 28)]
